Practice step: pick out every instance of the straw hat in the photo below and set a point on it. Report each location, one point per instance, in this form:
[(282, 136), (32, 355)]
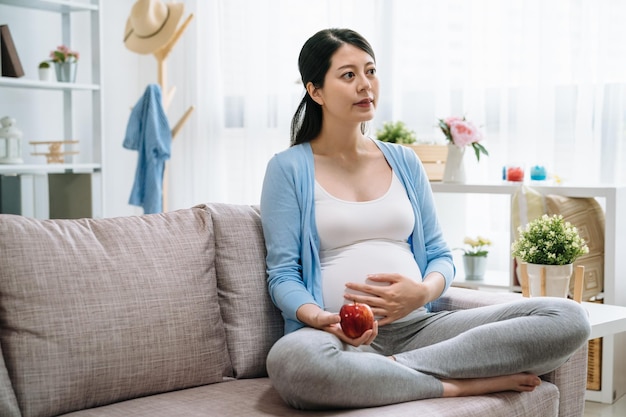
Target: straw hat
[(151, 25)]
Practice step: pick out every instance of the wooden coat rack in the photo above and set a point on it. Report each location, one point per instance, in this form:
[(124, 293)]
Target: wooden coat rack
[(167, 94)]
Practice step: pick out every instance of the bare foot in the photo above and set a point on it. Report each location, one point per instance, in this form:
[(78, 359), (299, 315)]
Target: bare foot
[(478, 386)]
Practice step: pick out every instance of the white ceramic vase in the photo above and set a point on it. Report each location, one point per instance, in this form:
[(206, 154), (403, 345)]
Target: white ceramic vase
[(454, 172), (556, 283)]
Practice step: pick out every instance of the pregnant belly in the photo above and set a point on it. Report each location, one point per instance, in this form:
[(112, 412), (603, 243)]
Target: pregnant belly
[(355, 262)]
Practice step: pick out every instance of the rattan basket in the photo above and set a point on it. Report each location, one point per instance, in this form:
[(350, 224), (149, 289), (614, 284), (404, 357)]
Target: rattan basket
[(594, 365), (594, 361)]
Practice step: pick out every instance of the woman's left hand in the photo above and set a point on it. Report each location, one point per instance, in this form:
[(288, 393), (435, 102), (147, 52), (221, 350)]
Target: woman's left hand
[(365, 339), (401, 296)]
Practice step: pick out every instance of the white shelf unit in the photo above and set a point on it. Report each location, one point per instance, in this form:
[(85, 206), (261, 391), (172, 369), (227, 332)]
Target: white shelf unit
[(613, 200), (90, 161)]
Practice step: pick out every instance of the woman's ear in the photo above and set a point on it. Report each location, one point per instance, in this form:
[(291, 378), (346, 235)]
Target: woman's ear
[(314, 92)]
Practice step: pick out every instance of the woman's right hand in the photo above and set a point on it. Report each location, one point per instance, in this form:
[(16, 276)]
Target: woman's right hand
[(313, 316)]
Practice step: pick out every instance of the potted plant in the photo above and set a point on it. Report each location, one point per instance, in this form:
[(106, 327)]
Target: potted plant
[(551, 244), (396, 132), (433, 157), (475, 257), (65, 63), (460, 133), (45, 72)]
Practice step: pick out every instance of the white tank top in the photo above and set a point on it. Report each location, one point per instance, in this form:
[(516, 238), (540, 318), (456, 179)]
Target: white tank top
[(361, 238)]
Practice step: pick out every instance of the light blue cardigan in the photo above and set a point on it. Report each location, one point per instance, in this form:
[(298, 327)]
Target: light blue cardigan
[(291, 239)]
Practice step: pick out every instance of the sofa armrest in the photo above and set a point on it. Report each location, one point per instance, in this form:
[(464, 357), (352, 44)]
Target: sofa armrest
[(570, 378)]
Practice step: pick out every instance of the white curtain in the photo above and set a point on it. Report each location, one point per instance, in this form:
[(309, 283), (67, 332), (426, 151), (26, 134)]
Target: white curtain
[(545, 80)]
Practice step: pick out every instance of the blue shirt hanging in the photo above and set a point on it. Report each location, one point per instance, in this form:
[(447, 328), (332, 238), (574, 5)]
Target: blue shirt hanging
[(148, 132)]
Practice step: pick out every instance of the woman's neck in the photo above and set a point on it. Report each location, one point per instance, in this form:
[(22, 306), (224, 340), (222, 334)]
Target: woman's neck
[(334, 140)]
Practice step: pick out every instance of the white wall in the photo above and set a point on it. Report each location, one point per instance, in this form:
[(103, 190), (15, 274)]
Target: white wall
[(124, 78)]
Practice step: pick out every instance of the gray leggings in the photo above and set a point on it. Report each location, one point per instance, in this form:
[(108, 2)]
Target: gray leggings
[(312, 369)]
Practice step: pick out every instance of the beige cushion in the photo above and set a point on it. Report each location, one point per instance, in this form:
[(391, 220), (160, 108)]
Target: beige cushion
[(252, 321), (588, 217), (97, 311)]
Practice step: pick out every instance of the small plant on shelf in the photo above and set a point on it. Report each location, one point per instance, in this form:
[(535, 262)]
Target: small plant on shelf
[(64, 54), (549, 240), (44, 64), (476, 247), (396, 132)]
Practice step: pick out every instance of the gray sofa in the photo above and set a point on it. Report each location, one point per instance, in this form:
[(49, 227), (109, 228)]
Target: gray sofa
[(168, 315)]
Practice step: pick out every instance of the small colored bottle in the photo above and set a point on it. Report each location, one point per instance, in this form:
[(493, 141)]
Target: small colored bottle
[(538, 173), (515, 173)]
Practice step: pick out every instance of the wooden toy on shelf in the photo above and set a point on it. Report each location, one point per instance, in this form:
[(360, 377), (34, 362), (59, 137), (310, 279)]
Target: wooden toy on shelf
[(56, 154)]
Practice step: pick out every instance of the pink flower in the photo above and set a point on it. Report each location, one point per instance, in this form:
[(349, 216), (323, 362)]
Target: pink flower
[(464, 133), (64, 54), (461, 133), (449, 120)]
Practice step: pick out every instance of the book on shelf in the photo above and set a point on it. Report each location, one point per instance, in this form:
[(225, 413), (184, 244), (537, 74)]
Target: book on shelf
[(11, 65)]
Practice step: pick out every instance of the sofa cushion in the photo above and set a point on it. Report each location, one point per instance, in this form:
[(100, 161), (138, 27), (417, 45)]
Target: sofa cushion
[(251, 320), (256, 397), (95, 311), (8, 402)]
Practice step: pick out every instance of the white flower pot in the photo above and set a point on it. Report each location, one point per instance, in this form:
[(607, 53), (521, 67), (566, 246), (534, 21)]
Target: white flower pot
[(45, 74), (554, 283)]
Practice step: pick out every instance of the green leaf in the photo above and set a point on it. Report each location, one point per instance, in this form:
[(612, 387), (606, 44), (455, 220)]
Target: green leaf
[(478, 149)]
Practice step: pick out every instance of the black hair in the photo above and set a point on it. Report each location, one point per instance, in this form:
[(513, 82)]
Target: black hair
[(313, 63)]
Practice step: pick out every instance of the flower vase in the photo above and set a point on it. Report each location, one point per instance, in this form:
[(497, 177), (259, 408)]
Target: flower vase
[(553, 283), (454, 171), (66, 71), (475, 267)]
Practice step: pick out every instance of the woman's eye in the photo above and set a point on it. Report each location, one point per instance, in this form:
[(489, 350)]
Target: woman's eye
[(348, 75), (371, 71)]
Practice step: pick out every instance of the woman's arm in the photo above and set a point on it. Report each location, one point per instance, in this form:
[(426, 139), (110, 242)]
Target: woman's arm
[(282, 228)]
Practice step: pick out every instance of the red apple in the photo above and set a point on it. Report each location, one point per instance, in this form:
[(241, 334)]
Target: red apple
[(356, 318)]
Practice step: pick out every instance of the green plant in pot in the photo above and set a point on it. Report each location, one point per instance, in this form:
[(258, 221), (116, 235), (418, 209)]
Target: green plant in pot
[(548, 246), (396, 132), (475, 257), (45, 71)]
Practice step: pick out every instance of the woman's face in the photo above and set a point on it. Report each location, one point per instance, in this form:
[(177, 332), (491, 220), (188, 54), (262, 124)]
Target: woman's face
[(350, 86)]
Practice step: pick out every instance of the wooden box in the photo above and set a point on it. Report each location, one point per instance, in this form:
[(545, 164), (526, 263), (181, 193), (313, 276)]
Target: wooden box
[(433, 158)]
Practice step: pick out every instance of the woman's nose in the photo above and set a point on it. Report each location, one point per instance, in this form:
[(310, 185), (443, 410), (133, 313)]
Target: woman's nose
[(364, 83)]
